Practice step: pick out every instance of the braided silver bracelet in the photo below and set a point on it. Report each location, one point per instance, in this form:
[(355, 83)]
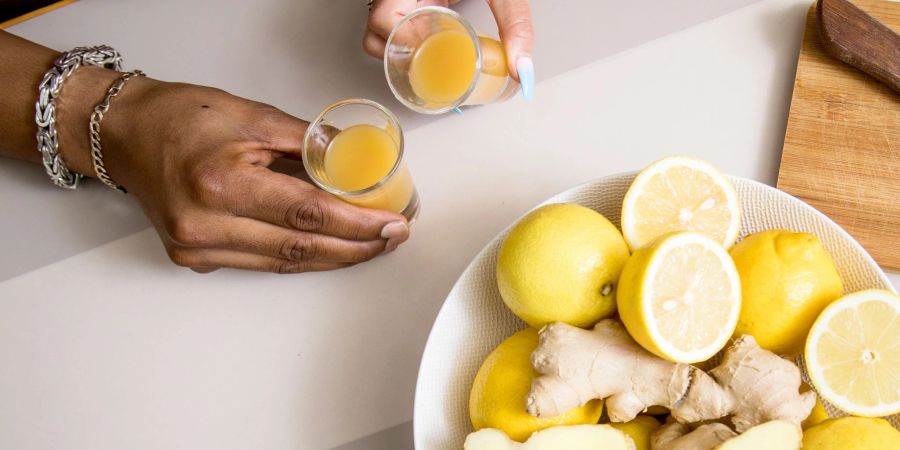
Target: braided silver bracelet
[(45, 108)]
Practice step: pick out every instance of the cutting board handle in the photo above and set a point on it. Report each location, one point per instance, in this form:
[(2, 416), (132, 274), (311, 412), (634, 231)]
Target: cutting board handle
[(856, 38)]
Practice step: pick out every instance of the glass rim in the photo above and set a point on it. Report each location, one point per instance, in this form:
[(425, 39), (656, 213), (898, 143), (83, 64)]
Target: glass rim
[(472, 35), (392, 119)]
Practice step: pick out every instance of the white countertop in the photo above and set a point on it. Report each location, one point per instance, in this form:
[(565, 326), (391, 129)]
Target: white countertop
[(106, 345)]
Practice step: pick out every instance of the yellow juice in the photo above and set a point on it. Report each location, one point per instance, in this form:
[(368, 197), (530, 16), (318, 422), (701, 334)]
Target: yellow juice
[(443, 67), (362, 155)]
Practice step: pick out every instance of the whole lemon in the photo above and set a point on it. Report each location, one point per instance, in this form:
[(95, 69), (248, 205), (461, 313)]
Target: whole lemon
[(501, 386), (787, 279), (561, 263), (639, 429), (852, 433)]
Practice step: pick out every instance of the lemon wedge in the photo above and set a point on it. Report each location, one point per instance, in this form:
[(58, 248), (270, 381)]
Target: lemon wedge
[(853, 353), (680, 193)]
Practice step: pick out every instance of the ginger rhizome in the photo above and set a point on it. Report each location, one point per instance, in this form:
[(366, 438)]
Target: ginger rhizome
[(751, 385), (678, 436), (763, 386), (773, 435), (568, 437)]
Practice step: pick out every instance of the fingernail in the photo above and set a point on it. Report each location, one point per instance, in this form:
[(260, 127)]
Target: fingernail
[(396, 233), (395, 230), (457, 110), (525, 69)]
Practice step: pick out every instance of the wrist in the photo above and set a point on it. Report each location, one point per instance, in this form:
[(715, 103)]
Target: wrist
[(86, 88), (81, 92)]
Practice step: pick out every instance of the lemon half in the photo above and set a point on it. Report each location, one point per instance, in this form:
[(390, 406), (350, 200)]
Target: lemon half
[(680, 297), (853, 353), (680, 193)]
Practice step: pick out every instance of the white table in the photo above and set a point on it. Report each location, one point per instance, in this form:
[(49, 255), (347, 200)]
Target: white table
[(106, 345)]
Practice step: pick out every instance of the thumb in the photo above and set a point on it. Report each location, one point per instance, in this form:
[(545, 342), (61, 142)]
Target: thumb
[(517, 33)]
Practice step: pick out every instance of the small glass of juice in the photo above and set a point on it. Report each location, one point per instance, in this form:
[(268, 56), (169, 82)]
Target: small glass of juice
[(435, 62), (354, 150)]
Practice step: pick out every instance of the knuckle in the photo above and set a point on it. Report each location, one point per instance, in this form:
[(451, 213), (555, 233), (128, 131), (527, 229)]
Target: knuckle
[(308, 214), (287, 267), (356, 231), (185, 232), (208, 181), (520, 28), (301, 249)]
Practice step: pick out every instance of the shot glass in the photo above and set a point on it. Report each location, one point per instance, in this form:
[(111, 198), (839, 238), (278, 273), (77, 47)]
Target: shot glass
[(435, 62), (354, 150)]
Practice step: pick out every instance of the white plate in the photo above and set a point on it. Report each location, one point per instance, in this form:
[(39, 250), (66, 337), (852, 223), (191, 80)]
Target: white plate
[(473, 319)]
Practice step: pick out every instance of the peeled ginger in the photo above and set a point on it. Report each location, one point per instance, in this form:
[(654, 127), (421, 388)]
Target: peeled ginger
[(568, 437)]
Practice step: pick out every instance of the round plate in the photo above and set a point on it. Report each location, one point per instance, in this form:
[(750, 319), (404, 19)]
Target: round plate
[(474, 320)]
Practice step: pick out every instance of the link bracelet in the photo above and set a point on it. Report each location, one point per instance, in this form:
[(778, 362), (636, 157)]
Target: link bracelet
[(97, 117)]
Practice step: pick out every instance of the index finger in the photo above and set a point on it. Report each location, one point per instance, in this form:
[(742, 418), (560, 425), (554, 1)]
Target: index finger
[(291, 203), (517, 33)]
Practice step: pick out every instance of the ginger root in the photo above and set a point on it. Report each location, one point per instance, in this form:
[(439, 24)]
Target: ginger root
[(764, 386), (579, 365), (568, 437), (751, 384), (772, 435), (678, 436)]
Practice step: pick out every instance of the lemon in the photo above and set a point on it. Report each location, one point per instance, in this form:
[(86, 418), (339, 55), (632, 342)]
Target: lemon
[(561, 263), (639, 429), (787, 279), (501, 386), (680, 297), (853, 353), (852, 433), (680, 193)]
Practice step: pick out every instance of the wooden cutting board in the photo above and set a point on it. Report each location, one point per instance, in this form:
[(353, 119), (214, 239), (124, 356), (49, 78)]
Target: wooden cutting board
[(842, 146)]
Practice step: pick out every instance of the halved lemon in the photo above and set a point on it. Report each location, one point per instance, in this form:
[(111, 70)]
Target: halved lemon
[(680, 193), (680, 297), (853, 353)]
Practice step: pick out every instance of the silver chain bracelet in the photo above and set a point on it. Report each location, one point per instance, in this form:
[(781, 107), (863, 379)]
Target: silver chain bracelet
[(97, 117), (45, 108)]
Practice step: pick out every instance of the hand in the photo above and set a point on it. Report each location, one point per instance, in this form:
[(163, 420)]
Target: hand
[(196, 160), (513, 21)]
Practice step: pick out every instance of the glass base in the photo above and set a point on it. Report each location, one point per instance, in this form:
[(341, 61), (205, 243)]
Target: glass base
[(411, 212)]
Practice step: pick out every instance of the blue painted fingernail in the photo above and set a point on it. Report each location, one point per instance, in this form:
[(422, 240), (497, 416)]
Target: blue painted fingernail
[(457, 110), (525, 68)]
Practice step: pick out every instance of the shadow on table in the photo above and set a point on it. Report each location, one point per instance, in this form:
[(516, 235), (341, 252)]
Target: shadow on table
[(399, 437), (781, 29)]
